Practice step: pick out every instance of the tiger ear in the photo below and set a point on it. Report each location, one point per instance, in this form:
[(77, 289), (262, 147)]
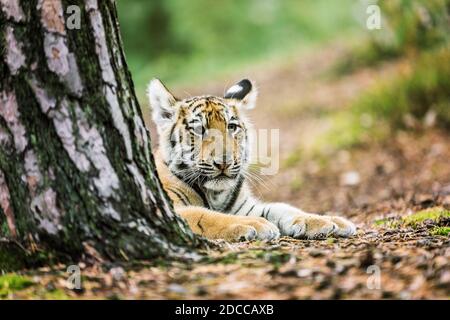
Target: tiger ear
[(161, 101), (243, 94)]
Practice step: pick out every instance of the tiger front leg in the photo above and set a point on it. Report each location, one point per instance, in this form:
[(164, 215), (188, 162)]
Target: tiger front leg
[(295, 223), (216, 225), (298, 224)]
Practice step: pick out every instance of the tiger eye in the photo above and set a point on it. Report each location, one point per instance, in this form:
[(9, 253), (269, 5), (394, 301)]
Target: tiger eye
[(233, 127)]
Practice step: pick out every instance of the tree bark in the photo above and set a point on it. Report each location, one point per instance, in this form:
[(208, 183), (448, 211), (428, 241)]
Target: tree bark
[(76, 171)]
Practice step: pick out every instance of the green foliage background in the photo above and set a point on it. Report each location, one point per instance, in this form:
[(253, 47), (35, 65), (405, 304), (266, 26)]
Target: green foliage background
[(188, 42), (185, 41)]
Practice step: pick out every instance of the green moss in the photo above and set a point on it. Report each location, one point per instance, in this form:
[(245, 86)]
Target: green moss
[(9, 262), (380, 222), (57, 294), (229, 258), (441, 231), (387, 222), (14, 257), (11, 283), (416, 219), (433, 214), (277, 258), (274, 257), (4, 229)]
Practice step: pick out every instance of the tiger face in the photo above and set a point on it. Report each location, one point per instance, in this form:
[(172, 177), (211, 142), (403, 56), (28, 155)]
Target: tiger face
[(204, 139)]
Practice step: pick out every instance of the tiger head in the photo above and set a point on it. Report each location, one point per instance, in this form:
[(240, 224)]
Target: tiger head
[(204, 139)]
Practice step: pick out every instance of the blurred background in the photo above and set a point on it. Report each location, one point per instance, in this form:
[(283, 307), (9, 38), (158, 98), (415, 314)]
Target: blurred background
[(185, 41), (341, 94)]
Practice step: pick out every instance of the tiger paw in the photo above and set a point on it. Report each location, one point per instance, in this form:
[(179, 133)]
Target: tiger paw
[(312, 226), (345, 228), (251, 228)]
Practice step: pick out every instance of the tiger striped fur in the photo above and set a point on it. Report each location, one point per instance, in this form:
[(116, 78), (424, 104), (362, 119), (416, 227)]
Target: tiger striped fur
[(208, 183)]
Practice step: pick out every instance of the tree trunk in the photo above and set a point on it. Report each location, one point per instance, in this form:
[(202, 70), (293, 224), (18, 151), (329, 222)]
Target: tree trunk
[(76, 171)]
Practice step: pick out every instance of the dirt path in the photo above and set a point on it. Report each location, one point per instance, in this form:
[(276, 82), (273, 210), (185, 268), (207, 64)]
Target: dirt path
[(398, 253)]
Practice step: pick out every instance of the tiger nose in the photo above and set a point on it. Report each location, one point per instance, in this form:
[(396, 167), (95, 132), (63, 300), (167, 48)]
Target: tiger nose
[(221, 165)]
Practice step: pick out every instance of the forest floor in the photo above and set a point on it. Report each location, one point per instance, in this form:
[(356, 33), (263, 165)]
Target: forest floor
[(396, 189)]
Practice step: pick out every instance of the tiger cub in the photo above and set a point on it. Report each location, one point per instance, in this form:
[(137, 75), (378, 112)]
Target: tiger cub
[(206, 180)]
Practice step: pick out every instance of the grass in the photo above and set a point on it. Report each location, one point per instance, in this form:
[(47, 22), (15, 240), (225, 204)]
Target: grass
[(417, 219), (423, 86), (387, 222), (363, 55), (433, 214), (420, 91), (407, 28), (441, 231), (11, 283), (351, 129), (404, 102), (348, 129)]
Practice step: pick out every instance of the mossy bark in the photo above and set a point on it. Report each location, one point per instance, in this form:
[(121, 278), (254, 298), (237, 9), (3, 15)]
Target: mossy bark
[(76, 171)]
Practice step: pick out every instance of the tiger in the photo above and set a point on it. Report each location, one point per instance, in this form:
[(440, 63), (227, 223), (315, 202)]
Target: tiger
[(207, 183)]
